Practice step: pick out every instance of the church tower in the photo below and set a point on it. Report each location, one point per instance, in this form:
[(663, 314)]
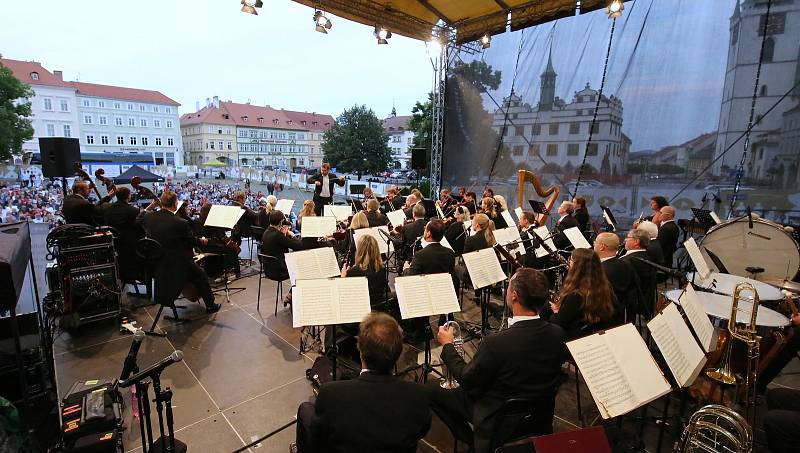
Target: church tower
[(548, 90)]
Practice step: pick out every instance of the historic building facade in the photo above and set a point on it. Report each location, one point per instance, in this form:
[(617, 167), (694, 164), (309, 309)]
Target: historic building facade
[(401, 140)]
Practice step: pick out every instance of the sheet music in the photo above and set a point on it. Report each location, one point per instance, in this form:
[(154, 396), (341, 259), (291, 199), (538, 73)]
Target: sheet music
[(178, 206), (396, 218), (608, 219), (483, 267), (224, 216), (714, 217), (676, 343), (444, 242), (316, 227), (576, 238), (509, 220), (285, 206), (375, 232), (510, 235), (312, 264), (696, 314), (425, 295), (543, 233), (518, 212), (618, 369), (697, 258), (326, 301), (468, 227), (340, 212), (439, 211)]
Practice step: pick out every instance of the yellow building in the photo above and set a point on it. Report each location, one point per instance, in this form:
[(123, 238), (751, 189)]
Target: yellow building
[(209, 134)]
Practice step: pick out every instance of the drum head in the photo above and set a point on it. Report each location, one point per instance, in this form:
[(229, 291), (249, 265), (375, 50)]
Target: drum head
[(766, 245), (719, 306), (726, 284)]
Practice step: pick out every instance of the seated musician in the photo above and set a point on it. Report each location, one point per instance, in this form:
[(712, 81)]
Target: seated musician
[(654, 251), (377, 411), (523, 361), (446, 202), (276, 242), (411, 201), (392, 201), (500, 203), (374, 216), (76, 207), (263, 213), (782, 420), (176, 267), (482, 234), (347, 247), (243, 228), (124, 218), (368, 263), (306, 211), (411, 232), (219, 243), (668, 234), (418, 194), (619, 272), (656, 204), (488, 193), (784, 356), (586, 302), (489, 208), (529, 240), (455, 233), (565, 221), (462, 191), (368, 195), (636, 243), (581, 214)]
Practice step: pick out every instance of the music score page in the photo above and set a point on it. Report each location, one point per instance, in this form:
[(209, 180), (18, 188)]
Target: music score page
[(312, 264), (676, 343), (425, 295), (326, 301)]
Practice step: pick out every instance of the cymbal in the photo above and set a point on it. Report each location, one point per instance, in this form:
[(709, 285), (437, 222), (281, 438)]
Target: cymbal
[(783, 284)]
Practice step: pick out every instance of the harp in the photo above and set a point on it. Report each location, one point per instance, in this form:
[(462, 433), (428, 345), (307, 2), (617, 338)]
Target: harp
[(551, 193)]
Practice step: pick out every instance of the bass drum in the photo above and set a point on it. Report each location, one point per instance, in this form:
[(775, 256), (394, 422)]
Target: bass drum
[(766, 245)]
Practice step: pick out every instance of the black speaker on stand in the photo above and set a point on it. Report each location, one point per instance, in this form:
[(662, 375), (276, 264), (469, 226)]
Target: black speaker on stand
[(58, 156), (418, 160)]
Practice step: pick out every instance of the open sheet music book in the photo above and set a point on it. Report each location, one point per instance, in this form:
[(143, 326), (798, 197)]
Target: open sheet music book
[(317, 227), (325, 301), (425, 295), (396, 218), (576, 238), (223, 216), (543, 233), (285, 206), (383, 245), (676, 343), (619, 370), (697, 258), (310, 264), (484, 268), (510, 235), (340, 212), (697, 316)]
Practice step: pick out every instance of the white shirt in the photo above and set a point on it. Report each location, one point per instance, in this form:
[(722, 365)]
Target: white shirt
[(606, 258), (516, 319), (326, 187), (628, 252)]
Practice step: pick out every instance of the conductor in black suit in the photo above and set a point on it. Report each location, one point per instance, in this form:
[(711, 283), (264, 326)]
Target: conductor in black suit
[(565, 222), (176, 267), (523, 361), (668, 234), (323, 190), (377, 411), (76, 208)]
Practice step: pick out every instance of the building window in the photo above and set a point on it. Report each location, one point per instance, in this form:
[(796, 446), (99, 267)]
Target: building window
[(158, 141), (104, 139), (537, 129), (230, 145), (228, 131), (769, 49), (574, 128), (169, 124), (34, 76), (170, 142), (90, 139), (554, 129), (552, 149), (86, 103), (144, 141), (735, 33), (156, 123), (101, 104), (519, 130), (167, 109), (117, 105), (533, 151), (579, 112), (64, 105), (120, 140), (132, 140), (103, 120), (118, 120), (143, 122), (592, 149), (572, 149), (67, 131), (518, 150), (596, 128), (219, 144), (141, 108), (155, 108), (130, 106), (51, 130), (48, 104), (87, 119), (212, 144), (776, 25), (132, 122)]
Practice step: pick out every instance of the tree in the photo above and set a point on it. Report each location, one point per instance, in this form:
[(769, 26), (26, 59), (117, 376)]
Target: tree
[(357, 142), (421, 123), (15, 127), (478, 73)]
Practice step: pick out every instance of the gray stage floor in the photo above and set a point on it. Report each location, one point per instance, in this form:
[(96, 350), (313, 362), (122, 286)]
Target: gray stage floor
[(243, 376)]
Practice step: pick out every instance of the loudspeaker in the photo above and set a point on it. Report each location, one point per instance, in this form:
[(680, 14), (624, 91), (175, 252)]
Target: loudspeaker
[(418, 161), (15, 251), (58, 155)]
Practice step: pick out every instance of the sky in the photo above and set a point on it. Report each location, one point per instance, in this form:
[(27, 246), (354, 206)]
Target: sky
[(193, 50)]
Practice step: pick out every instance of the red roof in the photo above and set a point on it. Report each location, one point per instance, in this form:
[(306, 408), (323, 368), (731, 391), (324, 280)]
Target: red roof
[(23, 71), (396, 123), (311, 121), (257, 116), (128, 94), (208, 115)]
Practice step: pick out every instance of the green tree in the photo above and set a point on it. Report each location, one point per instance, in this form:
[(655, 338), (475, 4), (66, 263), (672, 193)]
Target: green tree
[(478, 73), (15, 127), (357, 142), (421, 123)]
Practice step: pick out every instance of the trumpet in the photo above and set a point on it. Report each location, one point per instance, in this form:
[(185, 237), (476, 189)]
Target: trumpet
[(715, 428), (458, 343)]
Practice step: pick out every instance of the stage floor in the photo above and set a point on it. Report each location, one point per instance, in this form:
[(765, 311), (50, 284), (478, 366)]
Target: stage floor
[(243, 376)]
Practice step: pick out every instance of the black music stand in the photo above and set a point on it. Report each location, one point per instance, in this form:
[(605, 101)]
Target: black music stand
[(703, 216), (357, 204), (430, 208), (538, 207), (426, 366)]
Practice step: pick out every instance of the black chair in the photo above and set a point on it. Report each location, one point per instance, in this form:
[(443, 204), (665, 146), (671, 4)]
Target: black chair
[(516, 420), (151, 252), (256, 232), (265, 272)]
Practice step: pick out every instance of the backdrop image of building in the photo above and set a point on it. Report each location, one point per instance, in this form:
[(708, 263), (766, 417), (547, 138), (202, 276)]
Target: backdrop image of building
[(553, 135)]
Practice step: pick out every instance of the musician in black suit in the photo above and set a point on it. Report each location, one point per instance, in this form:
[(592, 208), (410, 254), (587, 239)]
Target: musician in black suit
[(565, 222), (636, 243), (392, 201), (374, 216), (76, 208), (124, 218), (523, 361), (176, 267), (619, 272), (243, 227), (376, 412), (434, 258), (529, 240), (408, 207), (668, 234), (411, 232), (455, 233), (323, 186), (276, 241)]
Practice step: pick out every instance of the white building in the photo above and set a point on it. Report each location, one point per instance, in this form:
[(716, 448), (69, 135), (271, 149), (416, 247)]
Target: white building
[(401, 140), (129, 121), (555, 133), (54, 111), (780, 70)]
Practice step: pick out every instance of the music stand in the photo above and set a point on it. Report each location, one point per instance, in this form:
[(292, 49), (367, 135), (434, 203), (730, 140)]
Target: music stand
[(608, 216), (430, 208), (357, 204), (357, 189), (704, 217), (538, 207)]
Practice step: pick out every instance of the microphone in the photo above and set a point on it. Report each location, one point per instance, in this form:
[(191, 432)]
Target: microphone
[(749, 218), (130, 361), (154, 369)]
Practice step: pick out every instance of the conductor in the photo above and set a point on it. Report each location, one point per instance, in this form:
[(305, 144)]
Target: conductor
[(323, 190)]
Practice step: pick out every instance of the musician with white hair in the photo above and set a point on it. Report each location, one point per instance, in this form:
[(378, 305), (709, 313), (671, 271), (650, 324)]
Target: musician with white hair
[(654, 252)]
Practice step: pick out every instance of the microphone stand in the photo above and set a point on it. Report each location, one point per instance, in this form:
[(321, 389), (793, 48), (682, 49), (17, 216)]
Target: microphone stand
[(164, 408)]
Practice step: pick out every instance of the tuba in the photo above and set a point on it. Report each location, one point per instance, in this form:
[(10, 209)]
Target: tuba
[(458, 343), (715, 428), (551, 192)]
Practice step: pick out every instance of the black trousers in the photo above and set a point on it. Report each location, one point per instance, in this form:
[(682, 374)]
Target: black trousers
[(782, 421), (319, 202), (306, 417), (780, 361)]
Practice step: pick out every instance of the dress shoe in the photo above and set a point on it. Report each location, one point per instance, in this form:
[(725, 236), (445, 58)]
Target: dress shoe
[(213, 308)]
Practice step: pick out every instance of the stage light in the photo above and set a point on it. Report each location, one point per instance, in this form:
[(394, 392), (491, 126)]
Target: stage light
[(250, 8), (434, 46), (322, 23), (614, 9), (382, 34), (486, 41)]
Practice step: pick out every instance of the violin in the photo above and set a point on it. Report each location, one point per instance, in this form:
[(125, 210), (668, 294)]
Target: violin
[(110, 187), (85, 177)]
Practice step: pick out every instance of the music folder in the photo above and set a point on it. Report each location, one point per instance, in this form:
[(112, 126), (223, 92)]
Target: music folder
[(510, 235), (697, 316), (509, 220), (310, 264), (397, 217), (618, 370), (326, 301), (380, 233), (544, 235), (680, 350), (484, 268), (608, 216), (697, 258), (284, 205), (576, 238), (426, 295), (224, 216), (316, 227), (340, 212)]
